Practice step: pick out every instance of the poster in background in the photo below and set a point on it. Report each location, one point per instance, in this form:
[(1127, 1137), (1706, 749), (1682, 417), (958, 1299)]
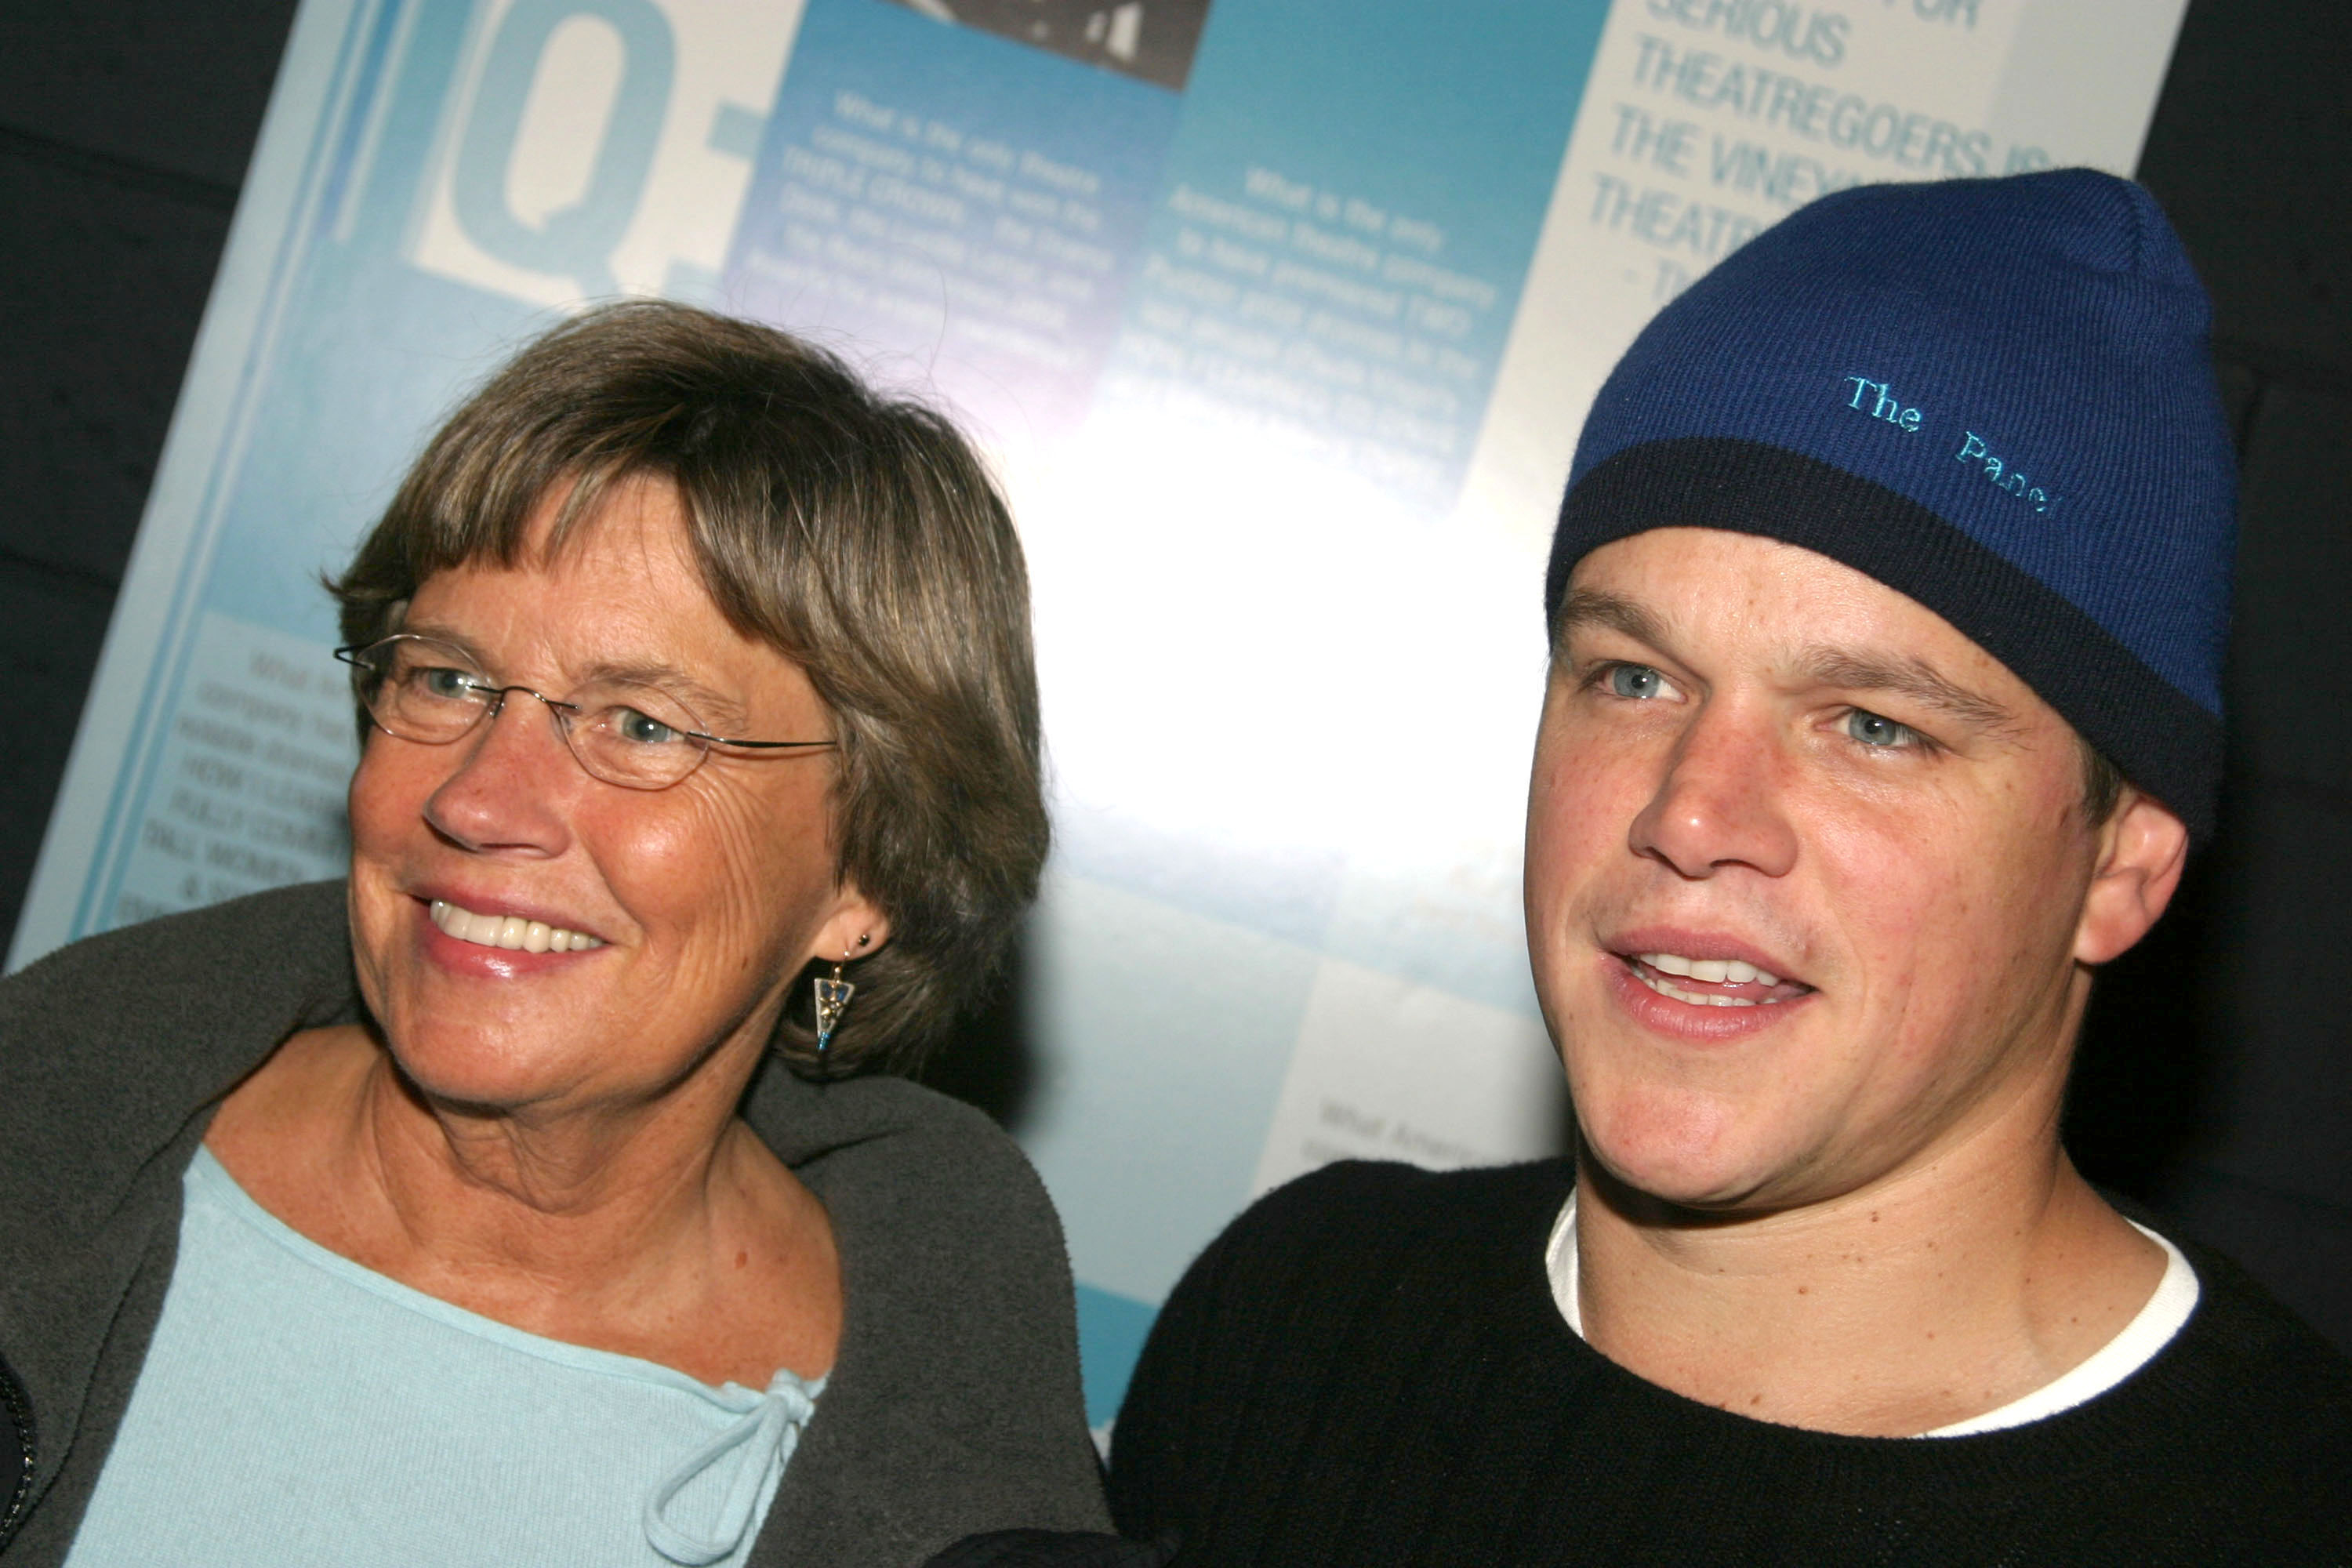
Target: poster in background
[(1278, 317)]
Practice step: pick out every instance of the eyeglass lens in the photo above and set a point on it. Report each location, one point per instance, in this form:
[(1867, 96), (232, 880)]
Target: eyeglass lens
[(625, 733)]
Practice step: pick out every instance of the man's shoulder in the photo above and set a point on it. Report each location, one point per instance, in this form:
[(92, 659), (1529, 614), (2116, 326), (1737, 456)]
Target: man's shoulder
[(2256, 1366), (1361, 1298), (1359, 1236), (2228, 1446), (1372, 1208)]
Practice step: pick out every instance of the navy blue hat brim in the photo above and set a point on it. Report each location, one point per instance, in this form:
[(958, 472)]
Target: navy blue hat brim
[(2163, 743)]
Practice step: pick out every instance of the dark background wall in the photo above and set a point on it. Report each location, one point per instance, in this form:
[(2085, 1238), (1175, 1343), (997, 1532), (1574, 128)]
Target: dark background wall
[(2216, 1080)]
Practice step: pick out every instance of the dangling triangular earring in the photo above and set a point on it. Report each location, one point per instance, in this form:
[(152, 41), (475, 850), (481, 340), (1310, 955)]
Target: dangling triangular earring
[(832, 995)]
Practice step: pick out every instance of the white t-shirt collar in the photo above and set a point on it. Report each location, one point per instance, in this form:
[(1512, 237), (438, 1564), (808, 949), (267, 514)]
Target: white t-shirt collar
[(2136, 1344)]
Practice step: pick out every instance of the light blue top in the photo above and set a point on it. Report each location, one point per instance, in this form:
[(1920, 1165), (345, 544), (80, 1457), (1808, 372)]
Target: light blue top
[(295, 1408)]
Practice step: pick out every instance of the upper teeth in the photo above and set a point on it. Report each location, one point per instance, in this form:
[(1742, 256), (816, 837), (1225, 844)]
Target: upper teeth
[(510, 930), (1736, 971)]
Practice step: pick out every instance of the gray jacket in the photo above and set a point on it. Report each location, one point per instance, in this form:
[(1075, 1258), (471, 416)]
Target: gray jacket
[(953, 1405)]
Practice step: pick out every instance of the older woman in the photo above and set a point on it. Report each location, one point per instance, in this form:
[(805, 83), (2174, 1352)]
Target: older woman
[(456, 1214)]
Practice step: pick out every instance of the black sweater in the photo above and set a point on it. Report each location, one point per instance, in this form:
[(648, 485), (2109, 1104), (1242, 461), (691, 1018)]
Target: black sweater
[(1367, 1368)]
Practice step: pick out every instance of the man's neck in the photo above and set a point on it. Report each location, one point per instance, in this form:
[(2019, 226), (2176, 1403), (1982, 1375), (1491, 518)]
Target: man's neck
[(1950, 1288)]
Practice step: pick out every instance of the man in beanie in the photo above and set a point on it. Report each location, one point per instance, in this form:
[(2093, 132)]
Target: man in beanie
[(1887, 605)]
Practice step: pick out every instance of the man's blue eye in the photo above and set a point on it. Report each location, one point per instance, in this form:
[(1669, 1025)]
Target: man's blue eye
[(1872, 729), (1638, 681)]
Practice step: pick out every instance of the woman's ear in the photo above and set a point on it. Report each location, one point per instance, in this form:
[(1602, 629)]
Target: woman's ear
[(2143, 848), (858, 928)]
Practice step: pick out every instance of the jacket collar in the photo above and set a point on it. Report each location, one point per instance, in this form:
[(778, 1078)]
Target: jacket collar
[(114, 1052)]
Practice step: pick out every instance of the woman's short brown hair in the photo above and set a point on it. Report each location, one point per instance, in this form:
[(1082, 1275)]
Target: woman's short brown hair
[(856, 533)]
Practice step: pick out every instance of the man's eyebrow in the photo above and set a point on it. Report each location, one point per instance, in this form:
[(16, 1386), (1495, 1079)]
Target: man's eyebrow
[(1853, 669), (1911, 675), (1596, 607)]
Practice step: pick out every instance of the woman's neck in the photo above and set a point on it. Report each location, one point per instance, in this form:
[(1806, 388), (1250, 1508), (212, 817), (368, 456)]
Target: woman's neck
[(665, 1230)]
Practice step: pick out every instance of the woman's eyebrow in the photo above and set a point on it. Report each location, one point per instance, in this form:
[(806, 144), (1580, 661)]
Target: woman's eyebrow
[(713, 707), (434, 631), (1913, 677)]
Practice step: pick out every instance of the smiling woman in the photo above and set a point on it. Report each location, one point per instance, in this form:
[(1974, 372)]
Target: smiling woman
[(700, 730), (859, 539)]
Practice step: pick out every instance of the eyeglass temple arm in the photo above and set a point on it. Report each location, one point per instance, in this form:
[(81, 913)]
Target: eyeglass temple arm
[(760, 745)]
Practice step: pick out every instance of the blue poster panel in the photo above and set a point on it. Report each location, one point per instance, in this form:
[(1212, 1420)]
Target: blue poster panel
[(1276, 318)]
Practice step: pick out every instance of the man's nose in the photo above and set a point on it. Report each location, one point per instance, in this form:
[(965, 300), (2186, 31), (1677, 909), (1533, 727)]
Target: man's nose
[(1719, 801)]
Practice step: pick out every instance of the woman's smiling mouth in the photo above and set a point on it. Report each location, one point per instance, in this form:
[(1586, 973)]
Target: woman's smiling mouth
[(510, 932)]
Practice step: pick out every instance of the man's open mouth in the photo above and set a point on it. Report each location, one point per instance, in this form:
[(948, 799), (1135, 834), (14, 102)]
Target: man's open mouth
[(1712, 982)]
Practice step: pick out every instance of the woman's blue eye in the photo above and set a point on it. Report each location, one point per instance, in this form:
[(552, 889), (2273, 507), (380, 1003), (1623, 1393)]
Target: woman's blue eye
[(1638, 681), (444, 682), (639, 729), (1872, 729)]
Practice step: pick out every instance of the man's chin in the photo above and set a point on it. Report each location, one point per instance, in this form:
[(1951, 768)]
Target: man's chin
[(1659, 1180)]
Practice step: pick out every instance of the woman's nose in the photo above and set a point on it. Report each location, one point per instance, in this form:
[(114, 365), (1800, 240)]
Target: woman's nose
[(512, 777), (1718, 801)]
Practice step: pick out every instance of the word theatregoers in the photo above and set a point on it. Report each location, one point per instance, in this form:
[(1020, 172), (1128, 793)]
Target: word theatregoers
[(1815, 110), (1877, 399)]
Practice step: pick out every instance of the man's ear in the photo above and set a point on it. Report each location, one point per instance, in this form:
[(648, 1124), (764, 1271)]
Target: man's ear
[(2143, 848)]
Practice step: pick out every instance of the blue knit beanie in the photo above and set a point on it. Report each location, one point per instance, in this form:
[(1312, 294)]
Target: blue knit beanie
[(1991, 396)]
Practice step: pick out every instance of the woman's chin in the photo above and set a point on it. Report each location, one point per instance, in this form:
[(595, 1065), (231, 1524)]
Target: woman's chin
[(482, 1069)]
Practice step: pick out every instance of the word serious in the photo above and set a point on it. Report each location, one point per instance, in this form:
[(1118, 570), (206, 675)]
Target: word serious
[(1877, 399)]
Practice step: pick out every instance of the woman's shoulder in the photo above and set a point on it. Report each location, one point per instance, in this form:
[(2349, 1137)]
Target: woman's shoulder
[(265, 955), (882, 1130), (108, 1048), (918, 1187), (958, 1372), (141, 1025)]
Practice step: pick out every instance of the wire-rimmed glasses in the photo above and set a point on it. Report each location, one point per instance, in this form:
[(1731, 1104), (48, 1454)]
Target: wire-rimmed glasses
[(623, 732)]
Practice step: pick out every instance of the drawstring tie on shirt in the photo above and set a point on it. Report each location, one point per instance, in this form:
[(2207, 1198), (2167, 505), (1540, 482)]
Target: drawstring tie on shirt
[(760, 1441)]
